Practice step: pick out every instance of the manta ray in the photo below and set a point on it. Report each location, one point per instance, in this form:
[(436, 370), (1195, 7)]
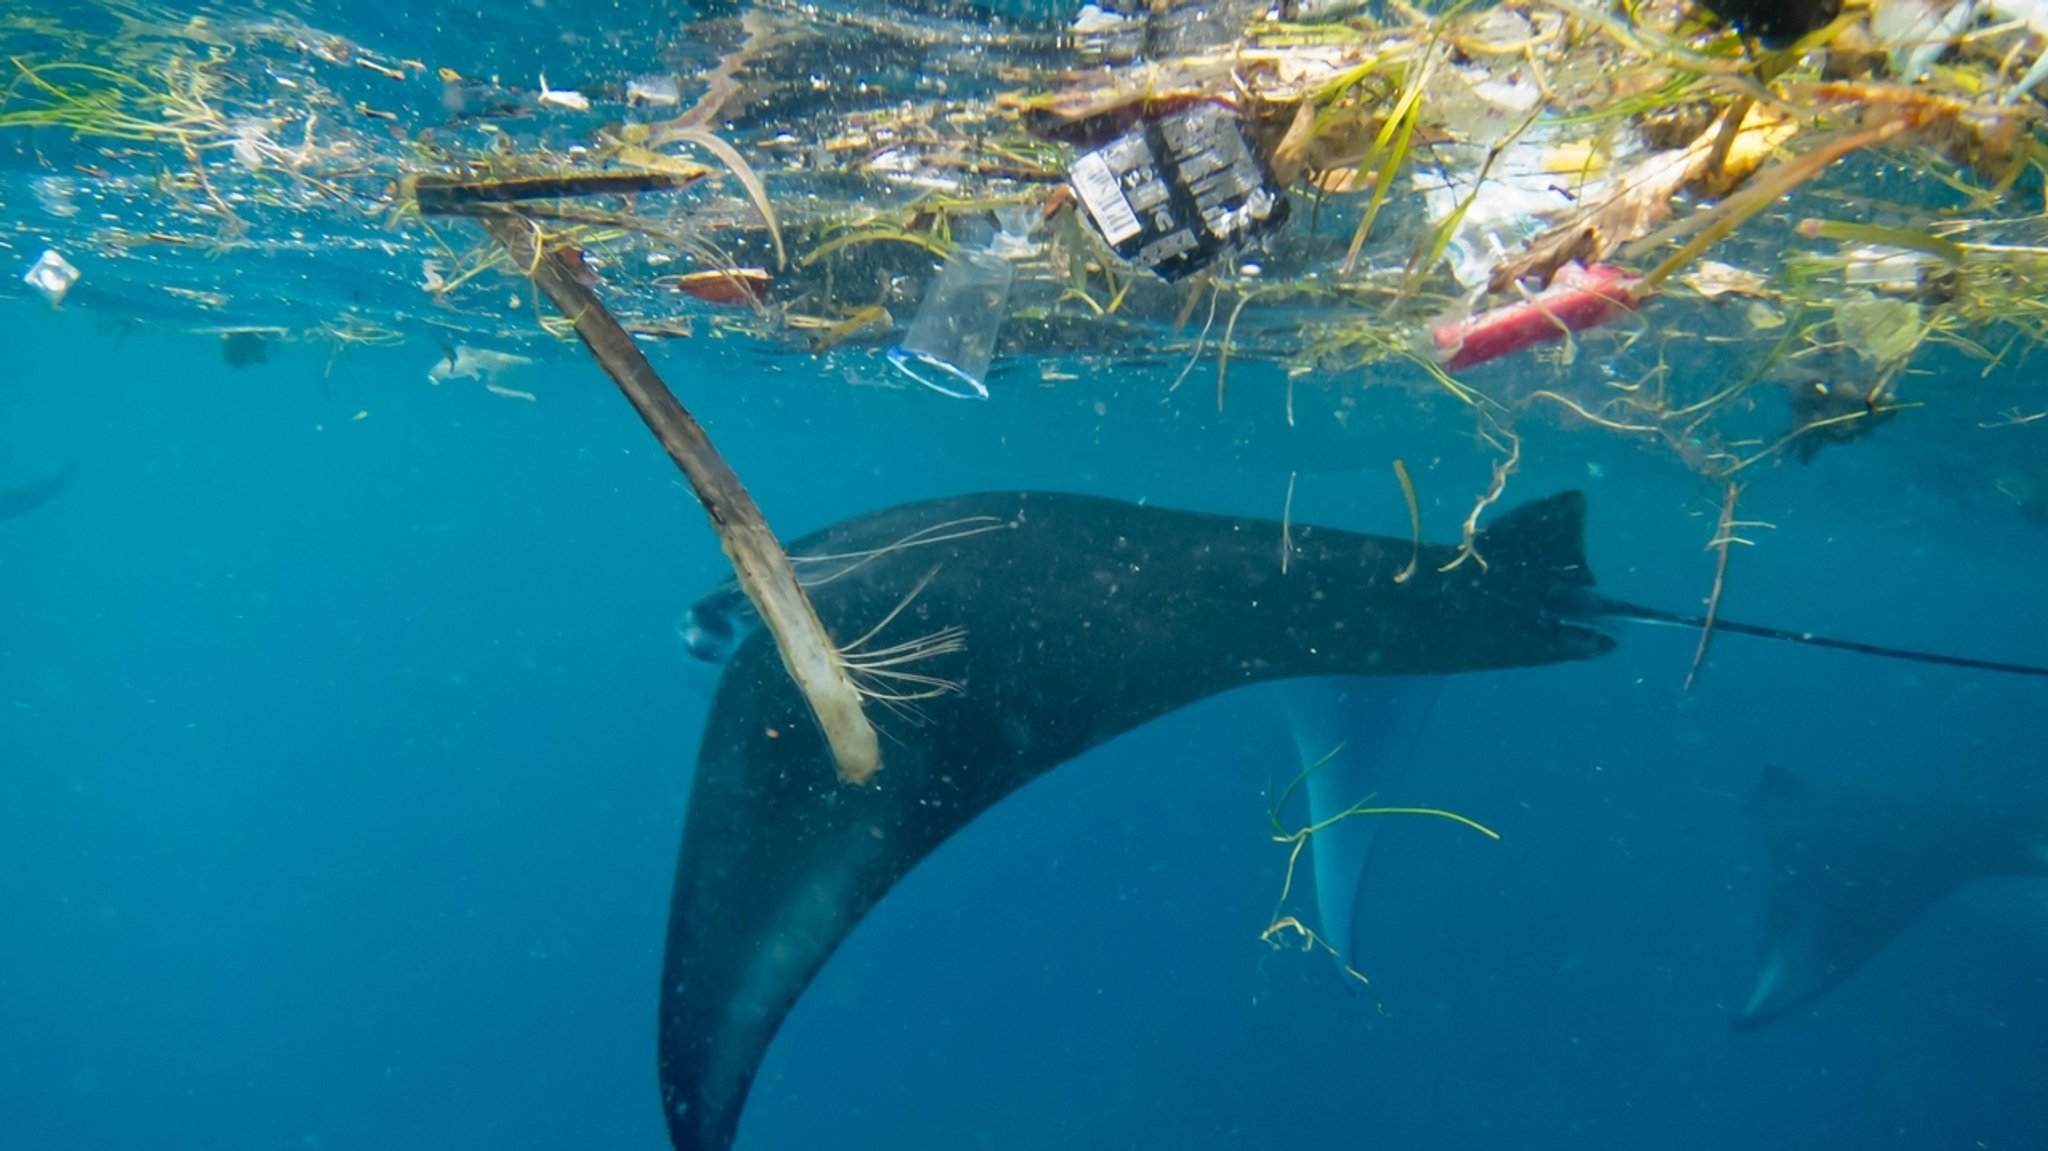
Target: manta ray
[(999, 635), (1849, 873)]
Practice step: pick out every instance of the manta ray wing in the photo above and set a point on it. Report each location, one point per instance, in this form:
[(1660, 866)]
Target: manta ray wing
[(1355, 736)]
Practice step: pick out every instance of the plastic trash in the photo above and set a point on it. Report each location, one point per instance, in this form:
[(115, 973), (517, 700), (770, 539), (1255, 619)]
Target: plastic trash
[(1509, 209), (1529, 179), (1121, 31), (1180, 27), (1578, 298), (1175, 194), (52, 276), (656, 91), (1881, 329), (1889, 271), (1776, 23), (952, 339), (1015, 224), (463, 362), (1105, 34), (57, 195)]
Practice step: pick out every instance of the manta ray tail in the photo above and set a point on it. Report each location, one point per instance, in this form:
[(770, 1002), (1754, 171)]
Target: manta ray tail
[(1541, 546), (1616, 609)]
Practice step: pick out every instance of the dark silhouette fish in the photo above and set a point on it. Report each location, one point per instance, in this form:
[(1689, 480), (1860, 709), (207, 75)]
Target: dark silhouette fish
[(23, 500), (1058, 622), (1848, 874)]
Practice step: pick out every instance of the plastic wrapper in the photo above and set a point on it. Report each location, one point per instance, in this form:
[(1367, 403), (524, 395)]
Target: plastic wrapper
[(1178, 192)]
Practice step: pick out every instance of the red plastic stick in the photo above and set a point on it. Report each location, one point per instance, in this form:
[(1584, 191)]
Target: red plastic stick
[(1577, 298)]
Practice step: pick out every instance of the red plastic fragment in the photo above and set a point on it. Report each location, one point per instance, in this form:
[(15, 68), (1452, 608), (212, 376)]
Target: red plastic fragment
[(1577, 298)]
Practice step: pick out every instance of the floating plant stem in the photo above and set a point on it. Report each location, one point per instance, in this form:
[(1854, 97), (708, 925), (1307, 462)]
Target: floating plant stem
[(1724, 537), (757, 559), (1414, 523), (455, 196), (1855, 231), (742, 171), (1717, 224)]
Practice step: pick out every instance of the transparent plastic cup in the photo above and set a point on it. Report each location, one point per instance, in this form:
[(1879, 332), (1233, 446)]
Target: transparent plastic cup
[(953, 336)]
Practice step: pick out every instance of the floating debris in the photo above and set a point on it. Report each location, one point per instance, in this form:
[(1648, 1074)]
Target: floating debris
[(758, 560), (454, 195), (952, 339), (1777, 23), (1314, 185), (1578, 298), (463, 362), (653, 92), (1178, 192), (245, 347), (52, 276), (728, 286), (563, 98), (1839, 411), (1713, 280)]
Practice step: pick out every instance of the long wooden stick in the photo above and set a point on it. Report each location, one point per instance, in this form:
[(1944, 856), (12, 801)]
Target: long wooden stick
[(757, 559)]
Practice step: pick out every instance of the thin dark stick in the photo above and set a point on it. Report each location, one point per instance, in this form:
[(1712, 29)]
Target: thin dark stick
[(1621, 610)]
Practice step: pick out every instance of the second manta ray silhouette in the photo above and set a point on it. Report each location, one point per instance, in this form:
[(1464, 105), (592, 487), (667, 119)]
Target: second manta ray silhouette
[(1003, 634), (1849, 873)]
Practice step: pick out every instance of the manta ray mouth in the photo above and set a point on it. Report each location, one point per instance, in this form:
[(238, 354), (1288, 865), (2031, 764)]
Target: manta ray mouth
[(713, 628)]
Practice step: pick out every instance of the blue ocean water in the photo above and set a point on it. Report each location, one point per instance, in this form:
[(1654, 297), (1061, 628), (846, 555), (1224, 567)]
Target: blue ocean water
[(345, 739)]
